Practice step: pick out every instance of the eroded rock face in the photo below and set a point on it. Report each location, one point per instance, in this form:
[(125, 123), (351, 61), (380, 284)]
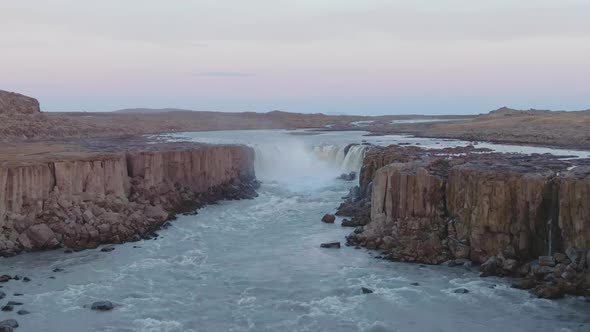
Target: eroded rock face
[(14, 103), (407, 213), (498, 209), (446, 204), (574, 207), (502, 211), (115, 197)]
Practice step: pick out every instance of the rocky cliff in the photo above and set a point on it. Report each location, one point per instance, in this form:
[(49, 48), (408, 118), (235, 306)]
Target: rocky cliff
[(14, 104), (112, 197), (434, 206)]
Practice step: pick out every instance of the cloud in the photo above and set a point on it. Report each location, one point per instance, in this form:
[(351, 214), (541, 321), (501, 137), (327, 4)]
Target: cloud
[(229, 74)]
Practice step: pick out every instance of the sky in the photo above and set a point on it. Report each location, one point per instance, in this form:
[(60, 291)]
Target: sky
[(331, 56)]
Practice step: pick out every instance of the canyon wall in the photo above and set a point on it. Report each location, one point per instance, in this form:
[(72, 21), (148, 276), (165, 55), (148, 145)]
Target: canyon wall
[(432, 206), (80, 202)]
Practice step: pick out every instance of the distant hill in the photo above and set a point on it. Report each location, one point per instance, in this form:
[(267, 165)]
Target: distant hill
[(151, 110)]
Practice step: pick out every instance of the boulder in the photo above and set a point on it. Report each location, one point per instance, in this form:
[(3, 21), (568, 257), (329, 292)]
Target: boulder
[(156, 212), (107, 249), (88, 216), (329, 218), (41, 237), (549, 291), (541, 271), (524, 284), (13, 303), (24, 241), (546, 261), (335, 245), (559, 257), (347, 176), (490, 267), (9, 322), (366, 290), (510, 266), (8, 325), (102, 306)]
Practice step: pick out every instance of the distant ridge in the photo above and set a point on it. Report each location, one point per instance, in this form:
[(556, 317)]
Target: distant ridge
[(152, 110), (507, 111)]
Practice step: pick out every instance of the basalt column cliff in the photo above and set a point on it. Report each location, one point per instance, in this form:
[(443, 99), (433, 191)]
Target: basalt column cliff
[(78, 195), (467, 205)]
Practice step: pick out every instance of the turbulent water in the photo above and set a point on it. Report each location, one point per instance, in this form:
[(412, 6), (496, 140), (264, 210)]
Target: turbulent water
[(256, 265)]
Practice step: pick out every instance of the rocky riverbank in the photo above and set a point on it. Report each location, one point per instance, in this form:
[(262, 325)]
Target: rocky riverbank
[(470, 206), (83, 199)]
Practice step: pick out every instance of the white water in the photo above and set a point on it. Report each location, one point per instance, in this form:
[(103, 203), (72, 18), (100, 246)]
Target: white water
[(256, 265), (335, 156)]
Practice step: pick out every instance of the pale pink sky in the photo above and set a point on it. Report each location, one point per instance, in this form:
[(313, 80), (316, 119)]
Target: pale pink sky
[(370, 56)]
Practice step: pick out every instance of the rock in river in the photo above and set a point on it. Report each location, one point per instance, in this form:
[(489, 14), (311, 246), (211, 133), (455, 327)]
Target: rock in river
[(8, 325), (107, 249), (102, 306), (366, 290), (347, 176), (14, 303), (331, 245), (461, 291), (329, 218)]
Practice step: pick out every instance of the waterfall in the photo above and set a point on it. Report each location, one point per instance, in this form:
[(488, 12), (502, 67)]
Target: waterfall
[(293, 159), (345, 160), (354, 159), (331, 154)]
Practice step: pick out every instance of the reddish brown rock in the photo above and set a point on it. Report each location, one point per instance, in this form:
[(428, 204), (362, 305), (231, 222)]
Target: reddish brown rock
[(408, 209), (96, 198), (41, 237), (435, 205), (329, 218), (15, 103)]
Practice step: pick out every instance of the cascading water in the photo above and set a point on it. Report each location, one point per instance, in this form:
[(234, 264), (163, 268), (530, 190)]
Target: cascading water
[(354, 158), (292, 159), (345, 159)]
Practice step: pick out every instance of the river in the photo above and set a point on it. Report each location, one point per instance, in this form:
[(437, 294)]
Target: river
[(257, 265)]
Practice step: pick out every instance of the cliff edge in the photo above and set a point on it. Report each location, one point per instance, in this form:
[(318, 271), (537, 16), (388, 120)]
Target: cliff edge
[(471, 206), (16, 104), (83, 200)]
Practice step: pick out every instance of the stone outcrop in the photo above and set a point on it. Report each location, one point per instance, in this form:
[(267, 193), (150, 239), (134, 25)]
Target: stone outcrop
[(13, 103), (80, 202), (413, 217), (456, 205)]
